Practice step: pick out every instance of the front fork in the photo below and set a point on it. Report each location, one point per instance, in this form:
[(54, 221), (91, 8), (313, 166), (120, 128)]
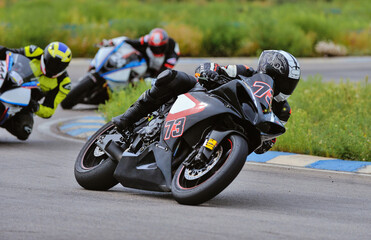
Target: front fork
[(203, 154)]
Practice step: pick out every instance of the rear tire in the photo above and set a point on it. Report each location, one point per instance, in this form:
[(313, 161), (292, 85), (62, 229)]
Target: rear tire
[(196, 185), (93, 169), (77, 93)]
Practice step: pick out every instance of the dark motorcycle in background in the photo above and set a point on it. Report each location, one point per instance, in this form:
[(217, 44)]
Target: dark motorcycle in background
[(16, 81), (112, 67), (193, 147)]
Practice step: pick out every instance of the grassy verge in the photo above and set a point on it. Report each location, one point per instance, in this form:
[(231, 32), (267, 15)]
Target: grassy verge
[(122, 100), (328, 119)]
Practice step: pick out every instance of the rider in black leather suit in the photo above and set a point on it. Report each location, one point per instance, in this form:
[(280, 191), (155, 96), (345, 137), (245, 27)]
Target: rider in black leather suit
[(280, 65)]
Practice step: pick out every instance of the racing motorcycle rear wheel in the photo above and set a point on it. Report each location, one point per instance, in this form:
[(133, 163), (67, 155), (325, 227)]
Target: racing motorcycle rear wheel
[(93, 168), (199, 183)]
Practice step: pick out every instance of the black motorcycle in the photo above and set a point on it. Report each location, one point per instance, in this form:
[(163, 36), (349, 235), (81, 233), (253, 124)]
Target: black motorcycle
[(194, 147)]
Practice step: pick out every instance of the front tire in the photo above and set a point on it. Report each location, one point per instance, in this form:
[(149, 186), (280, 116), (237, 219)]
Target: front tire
[(194, 185), (93, 168)]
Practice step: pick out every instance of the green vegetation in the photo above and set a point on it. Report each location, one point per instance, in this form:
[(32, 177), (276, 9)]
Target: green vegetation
[(122, 100), (202, 27), (328, 119)]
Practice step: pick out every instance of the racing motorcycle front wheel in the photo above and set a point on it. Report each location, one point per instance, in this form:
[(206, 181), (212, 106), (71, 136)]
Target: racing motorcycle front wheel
[(93, 168), (86, 91), (78, 92), (200, 182)]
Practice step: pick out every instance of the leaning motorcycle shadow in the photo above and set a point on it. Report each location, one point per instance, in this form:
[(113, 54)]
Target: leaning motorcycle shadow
[(233, 199), (32, 143), (226, 199), (142, 193), (7, 139), (244, 199)]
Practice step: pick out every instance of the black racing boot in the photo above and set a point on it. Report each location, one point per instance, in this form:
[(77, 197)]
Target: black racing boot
[(169, 84), (138, 110)]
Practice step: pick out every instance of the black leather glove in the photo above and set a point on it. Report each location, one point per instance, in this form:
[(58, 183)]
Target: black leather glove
[(265, 146), (33, 106), (207, 66), (210, 75), (209, 79)]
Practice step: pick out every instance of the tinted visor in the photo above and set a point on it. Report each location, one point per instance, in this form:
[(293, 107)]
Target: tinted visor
[(288, 86), (53, 66)]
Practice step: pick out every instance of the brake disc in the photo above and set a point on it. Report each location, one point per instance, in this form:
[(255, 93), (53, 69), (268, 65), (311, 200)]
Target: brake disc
[(193, 173)]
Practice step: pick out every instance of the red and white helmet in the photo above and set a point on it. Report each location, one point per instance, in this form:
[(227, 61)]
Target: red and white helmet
[(158, 41)]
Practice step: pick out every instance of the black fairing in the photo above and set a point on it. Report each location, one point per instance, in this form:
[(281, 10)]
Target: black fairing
[(253, 98), (213, 108), (149, 170), (238, 106)]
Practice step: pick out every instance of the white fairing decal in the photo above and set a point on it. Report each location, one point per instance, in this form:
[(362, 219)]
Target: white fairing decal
[(181, 104)]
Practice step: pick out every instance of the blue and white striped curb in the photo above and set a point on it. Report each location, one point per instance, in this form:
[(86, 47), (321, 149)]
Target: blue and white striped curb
[(82, 128), (308, 161)]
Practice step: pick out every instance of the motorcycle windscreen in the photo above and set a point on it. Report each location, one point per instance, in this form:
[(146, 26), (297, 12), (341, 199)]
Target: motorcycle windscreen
[(260, 89), (101, 57), (261, 86), (110, 55), (16, 96), (21, 71)]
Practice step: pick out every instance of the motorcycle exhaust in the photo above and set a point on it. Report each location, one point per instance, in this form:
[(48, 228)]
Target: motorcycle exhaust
[(113, 150)]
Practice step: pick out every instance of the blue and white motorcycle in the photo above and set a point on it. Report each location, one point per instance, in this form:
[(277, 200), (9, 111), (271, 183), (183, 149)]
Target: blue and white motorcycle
[(16, 81), (112, 67)]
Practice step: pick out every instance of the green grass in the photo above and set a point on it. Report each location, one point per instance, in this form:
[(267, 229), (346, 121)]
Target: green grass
[(122, 100), (328, 119), (202, 27)]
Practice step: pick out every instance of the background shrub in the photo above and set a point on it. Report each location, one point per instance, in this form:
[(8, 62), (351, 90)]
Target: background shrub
[(202, 27), (329, 119)]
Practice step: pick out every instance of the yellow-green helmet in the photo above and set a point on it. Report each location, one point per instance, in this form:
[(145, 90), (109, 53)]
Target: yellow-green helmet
[(55, 59)]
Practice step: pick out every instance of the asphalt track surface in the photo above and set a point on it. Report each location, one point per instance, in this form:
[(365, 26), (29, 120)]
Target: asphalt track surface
[(39, 198)]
